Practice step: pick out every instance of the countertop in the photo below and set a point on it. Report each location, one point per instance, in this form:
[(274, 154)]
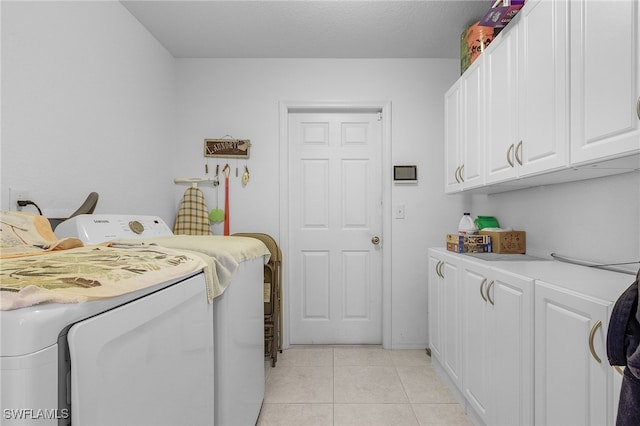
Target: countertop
[(599, 283)]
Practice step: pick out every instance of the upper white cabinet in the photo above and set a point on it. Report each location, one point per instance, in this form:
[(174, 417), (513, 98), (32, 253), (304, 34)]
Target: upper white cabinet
[(543, 89), (473, 107), (527, 94), (502, 118), (453, 140), (605, 79), (464, 131), (559, 89)]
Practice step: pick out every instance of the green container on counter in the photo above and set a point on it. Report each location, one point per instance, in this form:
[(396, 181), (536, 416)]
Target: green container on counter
[(486, 222)]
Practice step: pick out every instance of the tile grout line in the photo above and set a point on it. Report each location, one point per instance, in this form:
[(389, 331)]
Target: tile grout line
[(333, 397)]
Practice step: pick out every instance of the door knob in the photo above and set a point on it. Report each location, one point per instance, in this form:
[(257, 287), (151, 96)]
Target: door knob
[(375, 240)]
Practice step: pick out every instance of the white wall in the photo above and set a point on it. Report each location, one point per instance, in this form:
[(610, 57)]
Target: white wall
[(596, 219), (90, 101), (241, 98), (88, 104)]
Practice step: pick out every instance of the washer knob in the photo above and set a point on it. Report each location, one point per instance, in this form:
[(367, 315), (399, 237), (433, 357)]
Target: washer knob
[(136, 227)]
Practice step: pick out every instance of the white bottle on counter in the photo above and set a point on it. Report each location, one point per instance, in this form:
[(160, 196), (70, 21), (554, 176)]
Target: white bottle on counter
[(466, 225)]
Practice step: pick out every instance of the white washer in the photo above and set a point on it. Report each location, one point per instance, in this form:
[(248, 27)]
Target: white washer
[(98, 228), (238, 321)]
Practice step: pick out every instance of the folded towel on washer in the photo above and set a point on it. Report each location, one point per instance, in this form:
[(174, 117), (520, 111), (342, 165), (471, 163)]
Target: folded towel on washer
[(28, 234), (223, 254), (193, 214), (90, 273)]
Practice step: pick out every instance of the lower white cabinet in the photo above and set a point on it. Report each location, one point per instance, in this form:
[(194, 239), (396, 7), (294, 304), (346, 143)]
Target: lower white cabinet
[(445, 339), (498, 339), (524, 343), (574, 382)]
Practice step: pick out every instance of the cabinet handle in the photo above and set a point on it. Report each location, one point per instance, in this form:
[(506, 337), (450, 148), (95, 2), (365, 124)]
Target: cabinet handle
[(619, 369), (638, 107), (518, 157), (439, 269), (461, 169), (509, 151), (488, 294), (484, 281), (456, 174), (595, 327)]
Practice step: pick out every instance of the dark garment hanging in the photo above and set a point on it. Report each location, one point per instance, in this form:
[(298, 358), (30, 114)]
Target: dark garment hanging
[(623, 349)]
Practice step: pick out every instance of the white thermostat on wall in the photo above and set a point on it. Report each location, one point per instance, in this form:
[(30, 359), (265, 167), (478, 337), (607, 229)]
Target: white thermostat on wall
[(405, 174)]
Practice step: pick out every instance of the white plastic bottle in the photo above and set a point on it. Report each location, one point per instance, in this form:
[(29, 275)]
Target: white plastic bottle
[(466, 225)]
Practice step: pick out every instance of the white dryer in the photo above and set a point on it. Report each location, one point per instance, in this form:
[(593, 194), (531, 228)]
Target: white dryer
[(238, 318)]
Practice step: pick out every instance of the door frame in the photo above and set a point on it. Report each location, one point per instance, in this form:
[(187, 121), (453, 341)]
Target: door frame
[(287, 107)]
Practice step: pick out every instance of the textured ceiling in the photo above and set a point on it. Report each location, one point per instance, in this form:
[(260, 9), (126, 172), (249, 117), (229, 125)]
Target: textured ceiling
[(308, 28)]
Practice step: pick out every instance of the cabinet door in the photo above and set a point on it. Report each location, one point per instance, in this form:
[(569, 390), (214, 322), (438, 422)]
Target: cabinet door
[(452, 181), (502, 96), (435, 307), (543, 87), (452, 361), (605, 79), (571, 386), (445, 338), (477, 382), (473, 108), (512, 301)]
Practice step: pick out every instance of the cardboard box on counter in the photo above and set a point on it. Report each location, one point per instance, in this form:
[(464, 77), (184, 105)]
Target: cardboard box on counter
[(469, 243), (511, 242), (469, 248), (468, 239)]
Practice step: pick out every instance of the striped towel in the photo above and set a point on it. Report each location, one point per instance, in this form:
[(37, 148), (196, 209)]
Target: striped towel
[(193, 215)]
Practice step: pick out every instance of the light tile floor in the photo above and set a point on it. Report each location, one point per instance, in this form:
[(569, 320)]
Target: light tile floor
[(356, 385)]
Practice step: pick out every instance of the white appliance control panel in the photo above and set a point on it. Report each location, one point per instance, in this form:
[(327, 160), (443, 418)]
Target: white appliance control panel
[(99, 228)]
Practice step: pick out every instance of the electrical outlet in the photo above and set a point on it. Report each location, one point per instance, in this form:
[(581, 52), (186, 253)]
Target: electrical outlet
[(16, 194)]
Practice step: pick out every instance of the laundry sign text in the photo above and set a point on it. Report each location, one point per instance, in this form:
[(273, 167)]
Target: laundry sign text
[(238, 148)]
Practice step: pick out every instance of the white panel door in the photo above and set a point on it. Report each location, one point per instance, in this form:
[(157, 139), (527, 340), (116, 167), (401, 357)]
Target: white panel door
[(502, 103), (452, 318), (452, 138), (436, 307), (605, 79), (335, 210), (477, 340), (543, 87), (571, 386), (473, 105), (511, 298)]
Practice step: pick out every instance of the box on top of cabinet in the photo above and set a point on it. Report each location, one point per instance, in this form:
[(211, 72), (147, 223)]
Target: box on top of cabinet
[(512, 242)]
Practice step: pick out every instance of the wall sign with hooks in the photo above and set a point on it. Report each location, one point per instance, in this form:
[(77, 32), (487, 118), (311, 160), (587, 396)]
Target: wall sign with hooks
[(227, 148)]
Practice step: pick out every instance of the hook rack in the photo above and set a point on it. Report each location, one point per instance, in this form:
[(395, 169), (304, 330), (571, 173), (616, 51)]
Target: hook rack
[(193, 181)]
